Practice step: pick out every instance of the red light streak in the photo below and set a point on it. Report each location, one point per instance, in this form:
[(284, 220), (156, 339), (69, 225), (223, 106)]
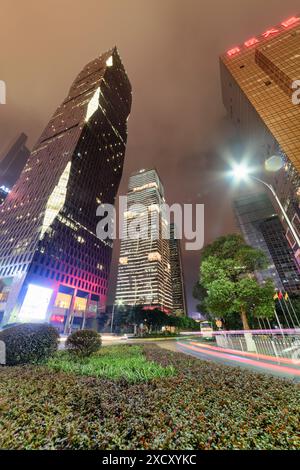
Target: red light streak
[(277, 331), (284, 360), (262, 365)]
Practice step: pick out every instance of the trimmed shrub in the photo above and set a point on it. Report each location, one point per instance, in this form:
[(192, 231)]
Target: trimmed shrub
[(84, 343), (205, 406), (29, 343)]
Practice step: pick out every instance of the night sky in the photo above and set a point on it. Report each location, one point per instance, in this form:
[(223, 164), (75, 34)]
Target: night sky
[(170, 50)]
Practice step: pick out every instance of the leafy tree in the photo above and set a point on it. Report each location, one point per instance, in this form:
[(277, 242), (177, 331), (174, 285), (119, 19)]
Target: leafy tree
[(132, 316), (227, 283), (127, 317), (155, 319), (182, 323)]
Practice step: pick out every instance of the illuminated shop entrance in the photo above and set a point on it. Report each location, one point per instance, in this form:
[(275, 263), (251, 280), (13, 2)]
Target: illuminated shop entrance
[(74, 309)]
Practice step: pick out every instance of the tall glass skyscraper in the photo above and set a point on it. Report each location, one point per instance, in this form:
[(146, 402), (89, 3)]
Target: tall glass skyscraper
[(13, 161), (262, 229), (178, 288), (257, 85), (52, 265), (144, 272)]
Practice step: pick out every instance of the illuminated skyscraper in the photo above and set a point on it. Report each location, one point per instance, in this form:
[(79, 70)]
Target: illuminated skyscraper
[(4, 191), (178, 289), (257, 85), (13, 162), (144, 272), (52, 265), (282, 254), (262, 229)]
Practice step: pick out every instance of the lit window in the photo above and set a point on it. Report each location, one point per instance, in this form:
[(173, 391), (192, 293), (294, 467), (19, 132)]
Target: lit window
[(155, 256), (109, 61), (56, 200), (63, 300), (80, 304), (93, 105)]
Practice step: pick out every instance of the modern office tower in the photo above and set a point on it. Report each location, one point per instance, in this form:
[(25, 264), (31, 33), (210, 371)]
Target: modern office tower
[(144, 271), (282, 254), (257, 85), (4, 191), (262, 229), (13, 162), (178, 289), (52, 265)]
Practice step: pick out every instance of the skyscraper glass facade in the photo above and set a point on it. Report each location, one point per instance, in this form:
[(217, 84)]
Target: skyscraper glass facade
[(178, 288), (282, 254), (48, 222), (144, 272), (262, 229), (13, 162), (257, 79)]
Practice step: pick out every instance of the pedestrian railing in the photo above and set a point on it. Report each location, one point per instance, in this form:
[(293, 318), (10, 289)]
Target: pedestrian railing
[(277, 343)]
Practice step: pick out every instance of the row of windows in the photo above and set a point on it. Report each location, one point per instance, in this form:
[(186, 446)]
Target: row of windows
[(70, 280)]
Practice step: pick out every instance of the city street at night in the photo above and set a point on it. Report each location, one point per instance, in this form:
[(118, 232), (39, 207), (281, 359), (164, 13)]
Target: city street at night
[(250, 361), (149, 232)]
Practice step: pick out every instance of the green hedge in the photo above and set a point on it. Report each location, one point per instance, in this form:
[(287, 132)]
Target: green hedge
[(29, 343), (204, 406), (84, 343)]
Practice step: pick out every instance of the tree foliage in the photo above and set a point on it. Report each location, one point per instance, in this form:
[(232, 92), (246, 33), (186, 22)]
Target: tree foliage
[(153, 319), (227, 283)]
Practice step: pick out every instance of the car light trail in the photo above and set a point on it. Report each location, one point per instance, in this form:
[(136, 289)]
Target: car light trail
[(261, 365), (284, 360)]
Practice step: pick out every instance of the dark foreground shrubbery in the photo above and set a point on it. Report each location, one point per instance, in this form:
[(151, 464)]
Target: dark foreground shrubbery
[(29, 343), (204, 406), (84, 343)]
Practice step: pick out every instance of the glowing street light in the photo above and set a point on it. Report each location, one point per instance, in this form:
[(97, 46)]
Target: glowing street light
[(242, 172)]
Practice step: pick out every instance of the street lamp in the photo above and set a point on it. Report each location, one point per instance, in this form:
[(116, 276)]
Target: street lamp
[(241, 172)]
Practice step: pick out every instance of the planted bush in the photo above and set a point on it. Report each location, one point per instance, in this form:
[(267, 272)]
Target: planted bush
[(29, 343), (204, 406), (84, 343)]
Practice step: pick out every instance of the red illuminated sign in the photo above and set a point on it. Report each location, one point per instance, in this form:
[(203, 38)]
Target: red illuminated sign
[(251, 42), (290, 21), (57, 318), (270, 32), (233, 51), (267, 34)]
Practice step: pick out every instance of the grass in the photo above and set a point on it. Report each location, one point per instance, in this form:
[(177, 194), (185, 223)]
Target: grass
[(203, 406), (113, 362)]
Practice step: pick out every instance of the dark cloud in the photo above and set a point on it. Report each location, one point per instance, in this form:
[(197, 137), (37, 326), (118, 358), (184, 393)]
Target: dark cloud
[(170, 49)]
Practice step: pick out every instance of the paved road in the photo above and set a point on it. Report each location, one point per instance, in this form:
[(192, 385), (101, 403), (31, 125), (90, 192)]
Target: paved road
[(210, 352), (265, 365)]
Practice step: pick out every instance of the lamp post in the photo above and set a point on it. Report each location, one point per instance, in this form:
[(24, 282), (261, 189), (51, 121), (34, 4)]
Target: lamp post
[(242, 172), (270, 187)]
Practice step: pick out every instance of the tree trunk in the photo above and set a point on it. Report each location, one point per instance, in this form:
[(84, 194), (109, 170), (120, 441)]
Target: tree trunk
[(244, 319)]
